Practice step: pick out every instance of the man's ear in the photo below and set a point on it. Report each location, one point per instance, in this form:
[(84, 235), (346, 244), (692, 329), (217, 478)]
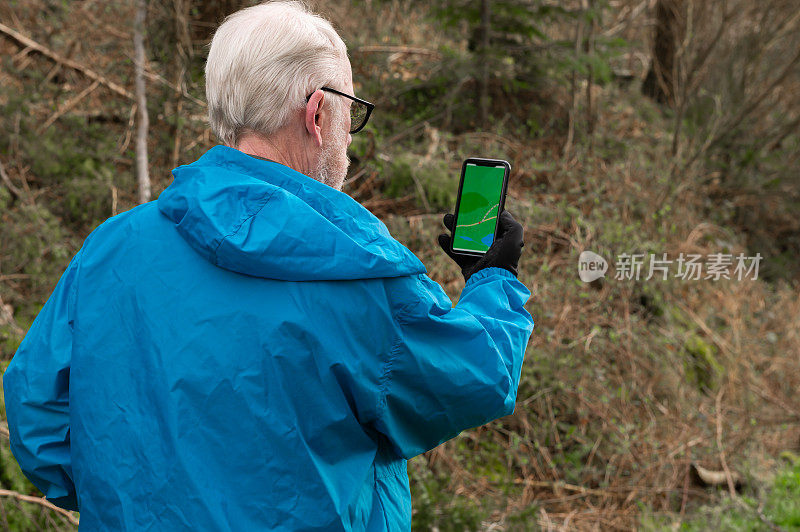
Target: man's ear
[(314, 117)]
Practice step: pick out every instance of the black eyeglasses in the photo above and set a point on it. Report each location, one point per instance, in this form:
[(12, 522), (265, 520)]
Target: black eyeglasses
[(359, 110)]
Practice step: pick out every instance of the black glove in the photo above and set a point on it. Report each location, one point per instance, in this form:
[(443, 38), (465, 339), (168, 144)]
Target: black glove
[(503, 253)]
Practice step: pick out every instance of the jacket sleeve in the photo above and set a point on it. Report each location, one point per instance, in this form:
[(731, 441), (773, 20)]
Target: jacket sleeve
[(36, 393), (452, 368)]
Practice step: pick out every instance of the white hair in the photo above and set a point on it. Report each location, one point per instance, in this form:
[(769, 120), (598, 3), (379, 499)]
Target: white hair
[(263, 63)]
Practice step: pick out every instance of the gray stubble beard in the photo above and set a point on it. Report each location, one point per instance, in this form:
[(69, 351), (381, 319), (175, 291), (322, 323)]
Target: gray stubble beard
[(333, 161)]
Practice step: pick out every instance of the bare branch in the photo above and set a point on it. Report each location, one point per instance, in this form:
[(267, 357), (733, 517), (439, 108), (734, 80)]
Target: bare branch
[(7, 181), (88, 72), (397, 50), (41, 501), (7, 317), (69, 105)]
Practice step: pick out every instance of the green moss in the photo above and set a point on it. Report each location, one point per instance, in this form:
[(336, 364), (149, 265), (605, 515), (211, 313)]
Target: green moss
[(701, 365)]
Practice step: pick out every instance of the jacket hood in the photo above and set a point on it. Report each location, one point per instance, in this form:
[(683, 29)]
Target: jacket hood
[(264, 219)]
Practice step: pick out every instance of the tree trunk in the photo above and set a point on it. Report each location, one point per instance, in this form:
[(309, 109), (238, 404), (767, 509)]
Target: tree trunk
[(142, 172), (484, 94), (589, 47), (660, 81), (573, 110)]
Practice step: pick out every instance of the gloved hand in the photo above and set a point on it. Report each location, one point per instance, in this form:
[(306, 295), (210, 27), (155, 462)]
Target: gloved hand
[(503, 253)]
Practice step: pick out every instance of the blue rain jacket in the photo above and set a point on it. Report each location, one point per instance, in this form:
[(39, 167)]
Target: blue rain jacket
[(253, 351)]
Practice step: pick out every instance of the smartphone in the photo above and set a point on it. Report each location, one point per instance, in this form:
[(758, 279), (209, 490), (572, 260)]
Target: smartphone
[(480, 200)]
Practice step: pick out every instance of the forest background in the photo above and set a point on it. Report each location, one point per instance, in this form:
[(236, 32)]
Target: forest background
[(644, 127)]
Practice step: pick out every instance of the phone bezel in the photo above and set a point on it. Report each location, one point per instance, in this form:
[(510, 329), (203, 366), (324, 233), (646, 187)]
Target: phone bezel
[(479, 162)]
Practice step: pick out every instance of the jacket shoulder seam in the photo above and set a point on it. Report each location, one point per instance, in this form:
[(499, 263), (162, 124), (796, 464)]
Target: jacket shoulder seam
[(241, 223), (402, 313)]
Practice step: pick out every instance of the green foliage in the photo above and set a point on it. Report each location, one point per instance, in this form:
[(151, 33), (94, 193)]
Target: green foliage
[(11, 478), (779, 506), (409, 174), (516, 63), (35, 244), (10, 340), (86, 200), (59, 154), (434, 507)]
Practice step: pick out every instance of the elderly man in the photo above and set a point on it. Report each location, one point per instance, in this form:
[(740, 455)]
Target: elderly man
[(253, 350)]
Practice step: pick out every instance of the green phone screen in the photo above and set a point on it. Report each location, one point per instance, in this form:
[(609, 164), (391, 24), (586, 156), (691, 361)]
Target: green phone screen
[(477, 211)]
